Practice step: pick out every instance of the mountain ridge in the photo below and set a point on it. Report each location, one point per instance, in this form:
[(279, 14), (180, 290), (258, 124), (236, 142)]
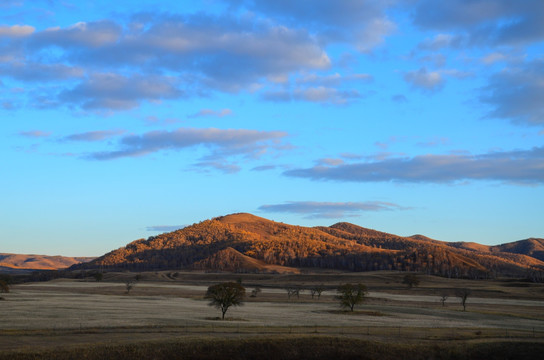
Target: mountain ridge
[(249, 240)]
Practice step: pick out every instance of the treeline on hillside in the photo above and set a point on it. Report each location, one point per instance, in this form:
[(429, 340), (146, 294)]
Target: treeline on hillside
[(295, 246)]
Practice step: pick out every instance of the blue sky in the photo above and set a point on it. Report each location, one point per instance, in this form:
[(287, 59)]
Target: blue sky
[(121, 120)]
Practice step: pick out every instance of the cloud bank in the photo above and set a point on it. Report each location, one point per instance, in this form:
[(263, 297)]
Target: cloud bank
[(523, 166)]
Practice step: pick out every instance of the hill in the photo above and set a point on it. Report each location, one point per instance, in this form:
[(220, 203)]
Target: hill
[(532, 247), (247, 243), (22, 262)]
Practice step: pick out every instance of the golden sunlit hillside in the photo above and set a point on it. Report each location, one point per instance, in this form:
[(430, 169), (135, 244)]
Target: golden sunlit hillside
[(247, 243)]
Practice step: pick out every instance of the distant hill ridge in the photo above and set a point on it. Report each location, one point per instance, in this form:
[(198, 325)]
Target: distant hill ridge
[(38, 262), (247, 243)]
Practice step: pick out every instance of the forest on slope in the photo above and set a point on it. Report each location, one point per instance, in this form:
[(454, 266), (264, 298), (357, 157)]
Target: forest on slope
[(210, 244)]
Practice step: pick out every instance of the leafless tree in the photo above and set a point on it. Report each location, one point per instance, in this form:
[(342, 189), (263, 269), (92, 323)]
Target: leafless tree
[(316, 291), (293, 291), (463, 294), (255, 291), (443, 298), (130, 284)]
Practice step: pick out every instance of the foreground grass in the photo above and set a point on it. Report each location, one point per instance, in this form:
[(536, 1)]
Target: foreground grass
[(302, 347)]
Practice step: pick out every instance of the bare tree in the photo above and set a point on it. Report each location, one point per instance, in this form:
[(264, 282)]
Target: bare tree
[(316, 291), (443, 298), (225, 295), (463, 294), (293, 291), (255, 291), (130, 284), (351, 295)]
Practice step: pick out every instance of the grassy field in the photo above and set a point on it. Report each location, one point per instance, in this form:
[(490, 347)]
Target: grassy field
[(165, 314)]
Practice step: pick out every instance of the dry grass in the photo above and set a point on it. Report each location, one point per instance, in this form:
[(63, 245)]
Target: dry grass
[(168, 308), (292, 347)]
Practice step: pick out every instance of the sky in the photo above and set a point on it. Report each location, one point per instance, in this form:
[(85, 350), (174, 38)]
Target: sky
[(122, 120)]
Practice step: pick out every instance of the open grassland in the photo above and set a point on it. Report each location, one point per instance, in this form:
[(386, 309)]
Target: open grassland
[(167, 311)]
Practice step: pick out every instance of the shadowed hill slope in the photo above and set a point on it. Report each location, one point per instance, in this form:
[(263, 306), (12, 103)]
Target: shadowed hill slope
[(247, 243), (532, 247), (233, 261)]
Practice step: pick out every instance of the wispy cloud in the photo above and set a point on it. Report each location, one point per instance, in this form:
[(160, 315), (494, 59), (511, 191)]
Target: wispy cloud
[(436, 141), (98, 135), (333, 79), (521, 166), (35, 133), (320, 94), (214, 113), (399, 98), (222, 166), (164, 228), (221, 142), (264, 168), (493, 58), (315, 209)]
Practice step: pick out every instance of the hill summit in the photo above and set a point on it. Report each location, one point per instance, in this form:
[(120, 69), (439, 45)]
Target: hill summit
[(247, 243)]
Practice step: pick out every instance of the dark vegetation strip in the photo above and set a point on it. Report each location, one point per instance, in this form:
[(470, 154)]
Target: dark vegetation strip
[(314, 347)]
